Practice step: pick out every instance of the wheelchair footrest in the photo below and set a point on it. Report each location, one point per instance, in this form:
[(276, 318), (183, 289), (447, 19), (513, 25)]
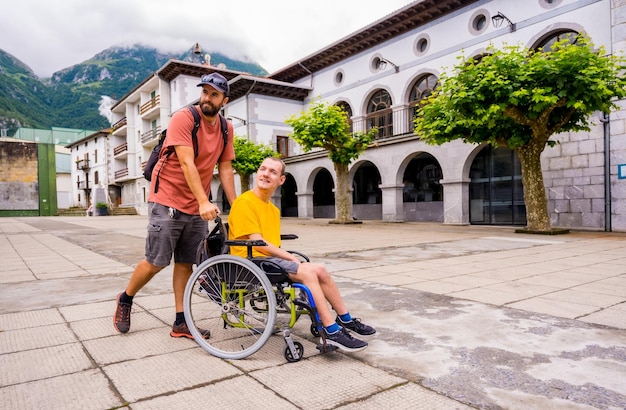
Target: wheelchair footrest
[(326, 348)]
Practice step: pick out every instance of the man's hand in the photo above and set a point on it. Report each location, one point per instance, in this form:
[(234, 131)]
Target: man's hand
[(209, 211)]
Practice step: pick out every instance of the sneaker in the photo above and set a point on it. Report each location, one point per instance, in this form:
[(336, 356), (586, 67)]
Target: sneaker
[(121, 320), (183, 331), (356, 326), (343, 340)]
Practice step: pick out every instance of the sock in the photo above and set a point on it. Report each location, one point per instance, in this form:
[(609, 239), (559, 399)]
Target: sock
[(345, 318), (124, 298), (180, 318), (334, 328)]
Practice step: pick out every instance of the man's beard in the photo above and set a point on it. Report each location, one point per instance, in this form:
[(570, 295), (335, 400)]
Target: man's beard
[(209, 110)]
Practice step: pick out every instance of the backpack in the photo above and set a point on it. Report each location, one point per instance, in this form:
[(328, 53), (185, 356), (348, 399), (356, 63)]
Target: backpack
[(213, 244), (156, 151)]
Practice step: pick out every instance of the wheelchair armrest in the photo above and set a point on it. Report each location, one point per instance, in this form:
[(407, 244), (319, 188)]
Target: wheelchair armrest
[(246, 242), (301, 255), (288, 236)]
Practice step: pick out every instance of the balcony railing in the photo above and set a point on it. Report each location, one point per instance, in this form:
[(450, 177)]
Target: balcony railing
[(145, 107), (151, 135), (83, 185), (120, 148), (119, 124), (82, 164), (397, 123), (121, 173)]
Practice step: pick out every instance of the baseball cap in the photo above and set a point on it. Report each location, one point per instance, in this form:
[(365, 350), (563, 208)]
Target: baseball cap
[(217, 81)]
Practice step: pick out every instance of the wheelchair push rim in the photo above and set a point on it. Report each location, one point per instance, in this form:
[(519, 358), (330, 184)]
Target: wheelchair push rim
[(233, 299)]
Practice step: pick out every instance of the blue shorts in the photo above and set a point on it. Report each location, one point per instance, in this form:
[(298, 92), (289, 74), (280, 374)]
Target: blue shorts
[(178, 236), (287, 266)]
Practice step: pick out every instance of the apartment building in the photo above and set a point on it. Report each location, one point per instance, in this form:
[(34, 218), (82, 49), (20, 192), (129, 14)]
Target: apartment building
[(379, 74)]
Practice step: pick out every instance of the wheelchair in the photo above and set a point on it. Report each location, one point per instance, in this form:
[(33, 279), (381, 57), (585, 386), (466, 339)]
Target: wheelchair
[(238, 301)]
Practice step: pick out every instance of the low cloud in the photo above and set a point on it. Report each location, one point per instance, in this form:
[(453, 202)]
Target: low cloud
[(104, 108)]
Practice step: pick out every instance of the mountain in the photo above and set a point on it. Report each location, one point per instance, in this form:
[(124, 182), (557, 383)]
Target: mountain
[(71, 97)]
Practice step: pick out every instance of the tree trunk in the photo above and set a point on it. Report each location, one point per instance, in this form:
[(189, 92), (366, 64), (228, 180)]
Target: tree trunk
[(343, 196), (244, 182), (537, 217)]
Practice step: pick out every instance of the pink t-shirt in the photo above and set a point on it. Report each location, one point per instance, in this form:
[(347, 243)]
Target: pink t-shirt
[(173, 188)]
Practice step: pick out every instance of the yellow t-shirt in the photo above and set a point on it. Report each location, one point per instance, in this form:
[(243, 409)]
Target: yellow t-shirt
[(249, 215)]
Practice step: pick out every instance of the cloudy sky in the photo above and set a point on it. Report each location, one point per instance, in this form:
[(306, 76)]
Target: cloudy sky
[(52, 35)]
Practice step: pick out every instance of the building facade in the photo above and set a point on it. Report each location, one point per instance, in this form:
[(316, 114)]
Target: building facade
[(380, 74)]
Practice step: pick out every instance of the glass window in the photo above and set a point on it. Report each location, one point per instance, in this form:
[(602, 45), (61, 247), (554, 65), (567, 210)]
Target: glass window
[(421, 180), (422, 88), (346, 107), (379, 114)]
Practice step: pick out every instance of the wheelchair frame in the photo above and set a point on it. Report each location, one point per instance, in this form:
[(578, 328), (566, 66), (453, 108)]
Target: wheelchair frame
[(238, 302)]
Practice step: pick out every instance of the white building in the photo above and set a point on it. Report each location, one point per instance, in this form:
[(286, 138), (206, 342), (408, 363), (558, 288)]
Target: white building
[(379, 74)]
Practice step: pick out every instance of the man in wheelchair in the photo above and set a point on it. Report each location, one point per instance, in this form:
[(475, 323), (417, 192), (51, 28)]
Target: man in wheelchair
[(253, 216)]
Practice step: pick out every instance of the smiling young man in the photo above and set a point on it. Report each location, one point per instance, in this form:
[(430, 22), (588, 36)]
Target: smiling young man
[(179, 210), (254, 216)]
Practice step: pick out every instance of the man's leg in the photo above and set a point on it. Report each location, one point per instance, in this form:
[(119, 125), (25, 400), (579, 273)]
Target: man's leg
[(182, 272), (144, 271)]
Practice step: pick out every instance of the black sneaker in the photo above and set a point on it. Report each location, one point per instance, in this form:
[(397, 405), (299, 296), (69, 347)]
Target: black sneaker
[(121, 320), (356, 326), (343, 340)]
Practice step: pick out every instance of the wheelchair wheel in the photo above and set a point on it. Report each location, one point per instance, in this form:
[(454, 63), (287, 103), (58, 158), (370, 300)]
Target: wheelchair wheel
[(233, 299), (291, 358)]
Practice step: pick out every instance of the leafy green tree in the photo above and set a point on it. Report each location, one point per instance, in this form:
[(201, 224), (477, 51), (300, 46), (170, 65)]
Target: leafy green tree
[(519, 98), (249, 157), (326, 126)]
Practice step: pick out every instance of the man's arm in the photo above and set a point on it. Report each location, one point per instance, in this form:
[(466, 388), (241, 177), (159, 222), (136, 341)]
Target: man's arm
[(225, 170), (273, 249), (186, 158)]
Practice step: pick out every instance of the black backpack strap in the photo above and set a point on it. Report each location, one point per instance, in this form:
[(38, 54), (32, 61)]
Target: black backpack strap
[(224, 126), (194, 131)]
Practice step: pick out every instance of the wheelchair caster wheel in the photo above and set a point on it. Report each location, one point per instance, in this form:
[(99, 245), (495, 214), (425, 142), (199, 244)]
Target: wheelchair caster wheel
[(315, 331), (291, 358)]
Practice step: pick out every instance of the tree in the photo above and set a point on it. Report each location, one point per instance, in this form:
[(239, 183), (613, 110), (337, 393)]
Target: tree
[(326, 126), (249, 157), (519, 98)]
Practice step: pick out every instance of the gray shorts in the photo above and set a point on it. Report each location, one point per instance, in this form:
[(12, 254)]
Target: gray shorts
[(177, 236), (287, 266)]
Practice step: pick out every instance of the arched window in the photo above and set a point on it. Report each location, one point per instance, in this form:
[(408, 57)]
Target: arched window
[(421, 89), (346, 107), (546, 43), (379, 114)]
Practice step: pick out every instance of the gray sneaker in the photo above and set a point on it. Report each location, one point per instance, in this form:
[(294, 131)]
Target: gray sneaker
[(343, 340)]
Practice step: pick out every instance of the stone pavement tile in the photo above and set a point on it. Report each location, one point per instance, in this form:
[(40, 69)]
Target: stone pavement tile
[(562, 279), (29, 318), (614, 316), (503, 275), (241, 392), (135, 345), (102, 327), (438, 287), (35, 338), (166, 373), (409, 396), (151, 302), (331, 380), (394, 280), (610, 286), (553, 307), (362, 273), (471, 280), (43, 276), (82, 390), (488, 296), (602, 269), (272, 352), (523, 290), (431, 274), (86, 311), (16, 276), (584, 298), (30, 365)]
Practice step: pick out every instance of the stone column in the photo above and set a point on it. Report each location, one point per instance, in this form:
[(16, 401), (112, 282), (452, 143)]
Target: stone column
[(393, 207), (305, 204), (455, 201)]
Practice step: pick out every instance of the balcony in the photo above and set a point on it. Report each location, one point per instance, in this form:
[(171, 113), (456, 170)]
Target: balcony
[(82, 164), (151, 104), (150, 137), (120, 149), (84, 185), (121, 173), (119, 125)]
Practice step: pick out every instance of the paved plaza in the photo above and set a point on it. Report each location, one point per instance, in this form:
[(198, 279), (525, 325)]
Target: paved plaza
[(467, 317)]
